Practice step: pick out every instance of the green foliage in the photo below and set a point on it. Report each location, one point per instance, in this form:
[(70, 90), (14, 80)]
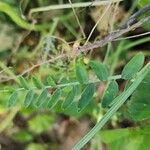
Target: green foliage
[(86, 96), (133, 66), (110, 93), (24, 83), (29, 98), (139, 104), (61, 90), (67, 99), (81, 74), (37, 82), (100, 70), (13, 99), (23, 136), (54, 99), (51, 82), (132, 138), (143, 3), (42, 98), (35, 146), (70, 97), (41, 123)]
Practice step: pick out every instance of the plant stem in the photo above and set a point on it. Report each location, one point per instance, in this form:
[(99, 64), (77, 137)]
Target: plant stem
[(120, 100), (74, 5), (68, 84)]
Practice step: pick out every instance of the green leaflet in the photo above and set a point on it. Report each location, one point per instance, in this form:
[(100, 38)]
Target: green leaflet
[(29, 98), (37, 82), (81, 74), (24, 83), (86, 96), (41, 98), (50, 81), (139, 104), (110, 93), (133, 66), (70, 97), (13, 99), (100, 70), (54, 99)]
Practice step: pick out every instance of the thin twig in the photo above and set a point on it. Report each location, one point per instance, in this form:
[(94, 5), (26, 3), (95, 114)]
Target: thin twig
[(101, 17), (111, 37), (82, 31), (42, 63), (74, 5), (111, 29), (131, 37)]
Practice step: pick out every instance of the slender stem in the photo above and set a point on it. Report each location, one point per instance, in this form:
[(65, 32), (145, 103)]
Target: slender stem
[(120, 100), (68, 84), (74, 5), (109, 47)]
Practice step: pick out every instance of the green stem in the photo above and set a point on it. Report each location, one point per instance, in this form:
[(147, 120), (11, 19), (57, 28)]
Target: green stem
[(68, 84), (120, 100), (5, 8)]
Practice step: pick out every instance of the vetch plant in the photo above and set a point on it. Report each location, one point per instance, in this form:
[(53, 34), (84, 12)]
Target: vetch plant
[(79, 91), (133, 73)]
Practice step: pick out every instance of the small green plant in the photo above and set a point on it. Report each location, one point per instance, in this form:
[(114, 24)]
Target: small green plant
[(71, 86), (83, 90)]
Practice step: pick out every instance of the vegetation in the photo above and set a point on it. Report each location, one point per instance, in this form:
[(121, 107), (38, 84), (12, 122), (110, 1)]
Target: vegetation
[(74, 75)]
